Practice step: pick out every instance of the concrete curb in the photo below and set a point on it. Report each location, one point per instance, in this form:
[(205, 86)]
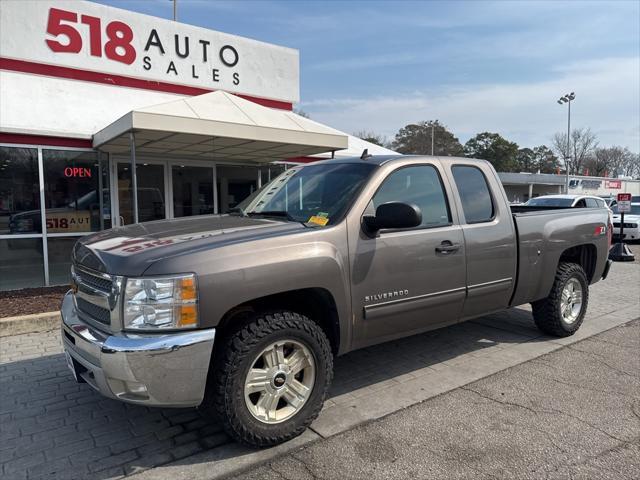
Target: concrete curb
[(38, 322)]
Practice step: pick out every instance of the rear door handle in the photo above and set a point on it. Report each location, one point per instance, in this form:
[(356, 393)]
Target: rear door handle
[(448, 247)]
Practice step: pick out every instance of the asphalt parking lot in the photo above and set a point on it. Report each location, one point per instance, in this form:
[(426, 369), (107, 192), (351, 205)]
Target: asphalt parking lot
[(570, 414), (52, 427)]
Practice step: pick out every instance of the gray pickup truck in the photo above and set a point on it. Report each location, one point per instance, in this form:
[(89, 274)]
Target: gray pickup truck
[(246, 311)]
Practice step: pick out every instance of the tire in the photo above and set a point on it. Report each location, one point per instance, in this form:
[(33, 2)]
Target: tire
[(243, 350), (548, 313)]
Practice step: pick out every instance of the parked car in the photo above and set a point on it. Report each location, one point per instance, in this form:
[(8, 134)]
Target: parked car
[(566, 201), (609, 200), (631, 229), (246, 311)]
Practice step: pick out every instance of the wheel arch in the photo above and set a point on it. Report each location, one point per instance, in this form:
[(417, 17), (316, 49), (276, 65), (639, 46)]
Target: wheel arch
[(585, 255), (315, 303)]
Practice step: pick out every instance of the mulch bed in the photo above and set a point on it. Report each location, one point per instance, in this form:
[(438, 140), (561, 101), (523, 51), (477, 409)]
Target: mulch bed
[(31, 300)]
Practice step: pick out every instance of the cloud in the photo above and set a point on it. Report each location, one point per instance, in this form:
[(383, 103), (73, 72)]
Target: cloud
[(607, 101)]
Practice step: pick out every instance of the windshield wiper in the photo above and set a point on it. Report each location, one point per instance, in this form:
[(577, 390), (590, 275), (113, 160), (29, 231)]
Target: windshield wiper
[(274, 213), (236, 211)]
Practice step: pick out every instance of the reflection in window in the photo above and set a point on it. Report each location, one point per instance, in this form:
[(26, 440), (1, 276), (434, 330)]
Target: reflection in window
[(60, 259), (19, 191), (21, 263), (71, 185), (421, 186)]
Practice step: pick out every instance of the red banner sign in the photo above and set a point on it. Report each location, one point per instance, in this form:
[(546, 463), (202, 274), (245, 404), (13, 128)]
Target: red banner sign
[(617, 184), (624, 197)]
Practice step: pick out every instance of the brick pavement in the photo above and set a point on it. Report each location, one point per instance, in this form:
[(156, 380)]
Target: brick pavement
[(51, 427)]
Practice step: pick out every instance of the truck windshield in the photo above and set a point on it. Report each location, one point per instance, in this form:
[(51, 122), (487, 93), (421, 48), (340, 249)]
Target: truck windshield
[(312, 194)]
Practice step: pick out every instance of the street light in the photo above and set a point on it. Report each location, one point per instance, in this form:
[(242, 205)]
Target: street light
[(567, 99)]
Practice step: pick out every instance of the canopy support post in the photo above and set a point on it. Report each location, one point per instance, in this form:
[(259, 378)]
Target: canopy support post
[(134, 177), (100, 190)]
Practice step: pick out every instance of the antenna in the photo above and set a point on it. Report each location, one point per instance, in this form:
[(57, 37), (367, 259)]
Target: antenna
[(365, 154)]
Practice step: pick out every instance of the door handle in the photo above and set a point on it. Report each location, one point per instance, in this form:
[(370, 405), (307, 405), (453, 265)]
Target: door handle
[(447, 247)]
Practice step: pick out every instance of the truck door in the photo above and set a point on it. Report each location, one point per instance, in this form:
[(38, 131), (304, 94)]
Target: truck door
[(489, 236), (408, 280)]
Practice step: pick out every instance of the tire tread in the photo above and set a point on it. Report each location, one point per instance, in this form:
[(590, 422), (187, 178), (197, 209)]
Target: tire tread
[(240, 344), (546, 311)]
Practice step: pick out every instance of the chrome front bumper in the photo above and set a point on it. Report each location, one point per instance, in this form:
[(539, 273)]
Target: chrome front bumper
[(167, 370)]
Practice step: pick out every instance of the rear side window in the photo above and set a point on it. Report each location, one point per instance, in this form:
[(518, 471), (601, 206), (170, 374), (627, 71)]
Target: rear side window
[(477, 203), (593, 203)]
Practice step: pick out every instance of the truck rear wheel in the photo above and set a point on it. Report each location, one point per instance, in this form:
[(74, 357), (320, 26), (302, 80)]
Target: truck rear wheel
[(272, 378), (562, 312)]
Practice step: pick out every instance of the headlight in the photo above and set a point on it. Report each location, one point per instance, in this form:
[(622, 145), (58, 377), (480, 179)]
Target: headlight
[(161, 303)]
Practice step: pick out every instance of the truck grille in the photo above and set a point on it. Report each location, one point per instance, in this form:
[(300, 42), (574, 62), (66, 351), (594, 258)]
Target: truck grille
[(94, 296), (94, 312), (95, 281)]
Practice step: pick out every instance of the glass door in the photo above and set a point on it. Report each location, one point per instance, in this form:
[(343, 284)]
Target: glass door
[(192, 190), (151, 192)]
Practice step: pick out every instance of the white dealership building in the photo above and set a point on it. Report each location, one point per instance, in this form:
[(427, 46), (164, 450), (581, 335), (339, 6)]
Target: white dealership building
[(90, 94)]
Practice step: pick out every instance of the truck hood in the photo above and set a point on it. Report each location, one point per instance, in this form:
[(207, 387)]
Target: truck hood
[(130, 250)]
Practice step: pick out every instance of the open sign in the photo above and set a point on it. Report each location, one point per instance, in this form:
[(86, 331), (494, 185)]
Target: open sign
[(77, 172)]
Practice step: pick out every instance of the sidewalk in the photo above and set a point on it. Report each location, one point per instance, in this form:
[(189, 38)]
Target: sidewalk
[(571, 414)]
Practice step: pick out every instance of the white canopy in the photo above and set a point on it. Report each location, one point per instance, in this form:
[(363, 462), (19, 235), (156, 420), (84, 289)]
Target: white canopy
[(219, 125)]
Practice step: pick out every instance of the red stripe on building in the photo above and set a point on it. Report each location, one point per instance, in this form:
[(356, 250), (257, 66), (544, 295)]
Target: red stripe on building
[(121, 80), (24, 139)]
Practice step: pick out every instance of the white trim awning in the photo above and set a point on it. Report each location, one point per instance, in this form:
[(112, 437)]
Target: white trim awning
[(219, 125)]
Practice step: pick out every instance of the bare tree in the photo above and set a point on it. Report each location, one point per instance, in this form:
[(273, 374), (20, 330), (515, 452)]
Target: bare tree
[(301, 112), (371, 137), (612, 161), (576, 151)]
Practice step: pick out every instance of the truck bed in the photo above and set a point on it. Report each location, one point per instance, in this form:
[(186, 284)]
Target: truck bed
[(544, 235)]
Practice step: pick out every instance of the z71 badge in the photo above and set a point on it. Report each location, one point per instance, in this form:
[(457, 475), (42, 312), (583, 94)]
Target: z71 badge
[(386, 295)]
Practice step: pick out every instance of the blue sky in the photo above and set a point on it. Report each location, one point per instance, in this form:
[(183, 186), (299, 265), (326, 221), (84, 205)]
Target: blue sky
[(476, 66)]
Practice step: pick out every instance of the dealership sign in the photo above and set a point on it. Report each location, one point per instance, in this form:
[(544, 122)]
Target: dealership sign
[(92, 37)]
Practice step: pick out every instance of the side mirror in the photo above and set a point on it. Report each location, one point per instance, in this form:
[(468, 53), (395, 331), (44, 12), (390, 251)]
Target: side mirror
[(393, 215)]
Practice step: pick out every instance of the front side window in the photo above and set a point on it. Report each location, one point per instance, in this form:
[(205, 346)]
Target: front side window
[(475, 196), (421, 186)]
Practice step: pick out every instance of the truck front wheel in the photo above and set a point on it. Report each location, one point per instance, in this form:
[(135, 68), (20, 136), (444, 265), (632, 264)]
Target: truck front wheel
[(562, 312), (272, 378)]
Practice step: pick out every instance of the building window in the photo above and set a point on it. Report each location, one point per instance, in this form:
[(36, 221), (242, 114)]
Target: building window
[(72, 191), (59, 250), (21, 263), (19, 191)]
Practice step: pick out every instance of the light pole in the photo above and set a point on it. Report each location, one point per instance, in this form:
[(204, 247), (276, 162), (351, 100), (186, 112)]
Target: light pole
[(567, 99), (175, 9), (432, 138)]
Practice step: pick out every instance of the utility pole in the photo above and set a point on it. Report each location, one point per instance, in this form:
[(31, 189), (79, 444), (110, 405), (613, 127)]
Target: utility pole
[(175, 10), (432, 137), (567, 99)]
